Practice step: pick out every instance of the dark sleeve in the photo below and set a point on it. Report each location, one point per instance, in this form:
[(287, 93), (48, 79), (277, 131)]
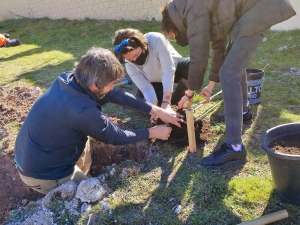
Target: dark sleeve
[(93, 123), (127, 100)]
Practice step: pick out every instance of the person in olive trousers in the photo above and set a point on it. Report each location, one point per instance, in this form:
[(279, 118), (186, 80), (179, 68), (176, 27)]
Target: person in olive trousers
[(231, 31)]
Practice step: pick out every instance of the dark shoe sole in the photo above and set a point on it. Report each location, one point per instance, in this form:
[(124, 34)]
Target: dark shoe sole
[(221, 118), (228, 164), (248, 122)]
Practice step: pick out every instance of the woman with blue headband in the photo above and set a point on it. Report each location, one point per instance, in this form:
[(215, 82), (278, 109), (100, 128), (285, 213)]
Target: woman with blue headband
[(153, 65)]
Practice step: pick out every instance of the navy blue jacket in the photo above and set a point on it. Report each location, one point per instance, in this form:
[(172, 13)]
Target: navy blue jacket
[(54, 133)]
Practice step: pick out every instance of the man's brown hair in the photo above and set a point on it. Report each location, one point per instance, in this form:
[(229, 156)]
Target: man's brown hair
[(98, 65), (167, 24)]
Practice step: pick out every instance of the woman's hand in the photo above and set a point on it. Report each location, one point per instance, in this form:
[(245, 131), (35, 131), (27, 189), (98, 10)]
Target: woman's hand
[(160, 132)]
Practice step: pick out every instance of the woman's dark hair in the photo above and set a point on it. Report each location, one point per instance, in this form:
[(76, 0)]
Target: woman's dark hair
[(135, 38), (167, 24)]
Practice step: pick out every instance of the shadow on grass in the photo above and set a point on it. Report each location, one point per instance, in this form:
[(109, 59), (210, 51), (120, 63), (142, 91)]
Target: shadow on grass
[(201, 192), (43, 76), (55, 35), (181, 181), (40, 77), (275, 204), (22, 54)]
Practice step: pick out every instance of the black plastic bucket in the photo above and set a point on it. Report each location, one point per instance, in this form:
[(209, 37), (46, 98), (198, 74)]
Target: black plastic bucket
[(285, 168), (12, 42), (255, 78)]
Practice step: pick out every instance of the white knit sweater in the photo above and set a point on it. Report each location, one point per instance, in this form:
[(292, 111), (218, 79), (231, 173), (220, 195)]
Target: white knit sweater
[(160, 66)]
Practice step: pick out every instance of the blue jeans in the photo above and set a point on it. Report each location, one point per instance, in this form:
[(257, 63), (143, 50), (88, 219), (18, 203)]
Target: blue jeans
[(233, 79)]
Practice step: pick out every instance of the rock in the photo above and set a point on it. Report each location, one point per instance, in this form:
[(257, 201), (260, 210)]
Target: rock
[(5, 144), (129, 172), (24, 202), (36, 91), (123, 173), (66, 190), (85, 209), (171, 199), (71, 206), (4, 133), (177, 209), (282, 48), (106, 206), (90, 190), (112, 172), (41, 217)]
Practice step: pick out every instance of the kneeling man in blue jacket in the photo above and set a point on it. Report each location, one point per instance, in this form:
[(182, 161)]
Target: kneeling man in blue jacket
[(52, 146)]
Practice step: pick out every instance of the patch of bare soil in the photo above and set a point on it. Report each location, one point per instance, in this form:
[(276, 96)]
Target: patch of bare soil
[(105, 155), (286, 146), (15, 104)]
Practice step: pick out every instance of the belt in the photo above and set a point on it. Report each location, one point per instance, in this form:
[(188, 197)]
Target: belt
[(22, 172)]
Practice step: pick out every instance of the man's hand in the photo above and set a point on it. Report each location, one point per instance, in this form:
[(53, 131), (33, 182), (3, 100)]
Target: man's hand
[(153, 119), (166, 115), (170, 110), (160, 132)]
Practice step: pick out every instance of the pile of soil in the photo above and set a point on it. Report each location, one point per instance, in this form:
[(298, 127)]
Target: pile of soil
[(179, 136), (14, 106), (105, 155)]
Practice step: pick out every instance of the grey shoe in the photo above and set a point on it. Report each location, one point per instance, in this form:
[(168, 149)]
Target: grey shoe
[(223, 157)]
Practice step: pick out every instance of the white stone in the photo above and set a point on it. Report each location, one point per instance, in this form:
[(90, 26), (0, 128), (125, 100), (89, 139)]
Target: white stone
[(90, 190), (178, 209)]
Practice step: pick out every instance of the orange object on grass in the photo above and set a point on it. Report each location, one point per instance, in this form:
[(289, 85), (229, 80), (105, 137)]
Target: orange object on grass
[(3, 40)]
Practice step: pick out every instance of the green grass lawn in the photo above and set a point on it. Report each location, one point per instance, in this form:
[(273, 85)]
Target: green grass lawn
[(172, 176)]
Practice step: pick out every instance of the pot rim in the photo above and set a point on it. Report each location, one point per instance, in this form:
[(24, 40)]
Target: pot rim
[(251, 71), (270, 151)]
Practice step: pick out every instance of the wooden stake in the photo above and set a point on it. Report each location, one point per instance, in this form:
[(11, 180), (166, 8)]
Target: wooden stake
[(191, 129), (266, 219)]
